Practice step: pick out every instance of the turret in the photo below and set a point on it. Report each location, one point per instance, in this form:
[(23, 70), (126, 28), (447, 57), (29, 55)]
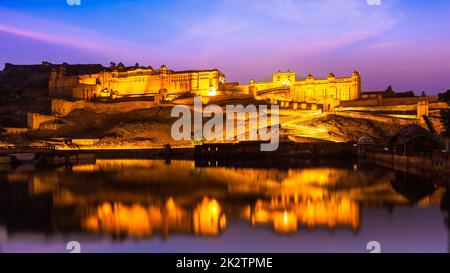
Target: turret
[(53, 73), (252, 90), (163, 69), (62, 70), (52, 82), (356, 92), (120, 66)]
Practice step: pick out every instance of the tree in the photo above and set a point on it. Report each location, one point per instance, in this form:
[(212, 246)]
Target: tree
[(389, 93), (445, 113), (424, 94), (445, 97), (445, 118)]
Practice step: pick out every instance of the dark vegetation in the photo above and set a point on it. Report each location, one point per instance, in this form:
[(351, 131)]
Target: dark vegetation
[(22, 89)]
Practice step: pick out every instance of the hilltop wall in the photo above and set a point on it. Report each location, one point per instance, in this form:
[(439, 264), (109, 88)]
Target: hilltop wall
[(62, 107), (377, 118), (119, 107), (36, 120), (387, 101)]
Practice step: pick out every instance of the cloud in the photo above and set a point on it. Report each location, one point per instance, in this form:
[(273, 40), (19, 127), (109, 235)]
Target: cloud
[(288, 29), (287, 21), (255, 36), (48, 37), (69, 36), (384, 45), (278, 33)]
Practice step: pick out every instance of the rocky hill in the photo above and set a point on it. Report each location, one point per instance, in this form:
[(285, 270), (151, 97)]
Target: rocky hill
[(24, 88)]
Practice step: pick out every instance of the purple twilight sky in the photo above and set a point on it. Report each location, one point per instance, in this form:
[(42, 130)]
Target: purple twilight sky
[(405, 43)]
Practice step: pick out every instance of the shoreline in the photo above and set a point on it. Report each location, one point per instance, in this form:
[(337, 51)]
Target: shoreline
[(235, 155)]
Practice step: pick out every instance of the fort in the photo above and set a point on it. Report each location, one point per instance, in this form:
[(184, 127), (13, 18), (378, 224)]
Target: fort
[(135, 87), (120, 81), (131, 104), (120, 88)]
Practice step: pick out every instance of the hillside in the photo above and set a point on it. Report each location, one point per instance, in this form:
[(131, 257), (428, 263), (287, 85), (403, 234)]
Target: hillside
[(152, 128), (22, 89), (140, 128)]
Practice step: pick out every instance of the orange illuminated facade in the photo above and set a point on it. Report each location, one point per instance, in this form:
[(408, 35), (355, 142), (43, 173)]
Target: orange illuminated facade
[(286, 200), (120, 81), (96, 81), (310, 89), (328, 212), (138, 220)]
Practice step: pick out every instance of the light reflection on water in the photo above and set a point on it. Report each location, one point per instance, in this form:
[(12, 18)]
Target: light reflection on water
[(173, 206)]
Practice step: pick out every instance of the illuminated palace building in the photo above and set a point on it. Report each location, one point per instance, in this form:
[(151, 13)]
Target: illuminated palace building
[(286, 86), (88, 82), (120, 81)]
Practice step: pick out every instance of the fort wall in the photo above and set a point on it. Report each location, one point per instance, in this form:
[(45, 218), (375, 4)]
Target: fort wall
[(36, 121), (360, 103), (377, 118), (15, 130), (388, 101), (378, 108), (252, 150), (62, 107), (118, 107)]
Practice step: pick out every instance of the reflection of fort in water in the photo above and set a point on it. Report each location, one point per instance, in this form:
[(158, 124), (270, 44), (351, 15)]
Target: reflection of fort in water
[(143, 198)]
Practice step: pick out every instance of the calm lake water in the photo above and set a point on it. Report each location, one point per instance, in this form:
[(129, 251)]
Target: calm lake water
[(180, 206)]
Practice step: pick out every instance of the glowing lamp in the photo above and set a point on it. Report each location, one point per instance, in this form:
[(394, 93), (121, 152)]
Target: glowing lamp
[(212, 92)]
